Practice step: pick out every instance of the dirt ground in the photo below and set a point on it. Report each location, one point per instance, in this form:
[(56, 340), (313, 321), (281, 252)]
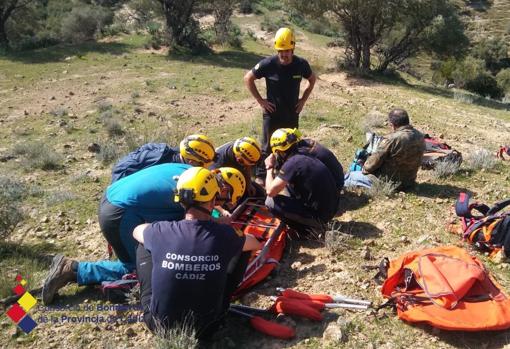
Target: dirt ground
[(368, 230)]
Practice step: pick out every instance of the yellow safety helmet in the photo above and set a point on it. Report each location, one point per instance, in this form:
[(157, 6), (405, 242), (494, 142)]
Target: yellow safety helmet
[(234, 180), (197, 148), (283, 138), (196, 184), (284, 39), (247, 151)]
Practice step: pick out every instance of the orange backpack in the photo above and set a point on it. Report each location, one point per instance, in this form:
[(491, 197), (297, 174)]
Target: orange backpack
[(446, 288)]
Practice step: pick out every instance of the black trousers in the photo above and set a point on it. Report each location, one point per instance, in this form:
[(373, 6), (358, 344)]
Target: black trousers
[(110, 217), (144, 272), (269, 125)]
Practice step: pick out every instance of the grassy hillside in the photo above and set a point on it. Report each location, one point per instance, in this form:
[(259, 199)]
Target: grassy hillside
[(54, 103), (489, 18)]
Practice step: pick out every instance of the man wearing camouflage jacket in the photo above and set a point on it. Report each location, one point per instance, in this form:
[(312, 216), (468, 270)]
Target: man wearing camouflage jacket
[(397, 158)]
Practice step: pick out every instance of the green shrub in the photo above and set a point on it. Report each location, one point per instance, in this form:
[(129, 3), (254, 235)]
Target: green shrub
[(113, 127), (59, 196), (503, 79), (485, 85), (480, 159), (492, 51), (320, 26), (59, 111), (11, 194), (374, 120), (233, 38), (272, 23), (382, 188), (180, 336), (109, 152), (103, 105), (84, 22), (39, 155), (444, 71), (156, 35), (467, 70), (246, 6), (445, 169)]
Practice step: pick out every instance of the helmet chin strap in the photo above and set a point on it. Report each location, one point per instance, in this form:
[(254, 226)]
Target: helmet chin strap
[(201, 209)]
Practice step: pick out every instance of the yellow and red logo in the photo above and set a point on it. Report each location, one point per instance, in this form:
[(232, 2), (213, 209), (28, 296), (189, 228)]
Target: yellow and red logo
[(18, 312)]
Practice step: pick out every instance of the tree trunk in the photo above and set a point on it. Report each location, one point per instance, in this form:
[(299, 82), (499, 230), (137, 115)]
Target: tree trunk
[(4, 40), (365, 61), (222, 22), (181, 27)]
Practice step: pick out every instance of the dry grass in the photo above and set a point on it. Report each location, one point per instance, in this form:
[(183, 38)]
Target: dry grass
[(480, 159), (445, 169), (181, 336)]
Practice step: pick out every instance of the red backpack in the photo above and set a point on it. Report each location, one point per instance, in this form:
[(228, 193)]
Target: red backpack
[(488, 228), (438, 151)]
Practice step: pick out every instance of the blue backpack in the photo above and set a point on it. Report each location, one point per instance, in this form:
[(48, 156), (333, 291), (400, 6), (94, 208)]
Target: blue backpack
[(147, 155), (362, 154)]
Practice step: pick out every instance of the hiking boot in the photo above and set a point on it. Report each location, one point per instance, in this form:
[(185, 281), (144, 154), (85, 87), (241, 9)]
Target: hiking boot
[(61, 273)]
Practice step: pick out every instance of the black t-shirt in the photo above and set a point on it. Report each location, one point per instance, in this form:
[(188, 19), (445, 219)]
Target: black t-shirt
[(190, 260), (225, 158), (282, 83), (311, 182), (326, 156)]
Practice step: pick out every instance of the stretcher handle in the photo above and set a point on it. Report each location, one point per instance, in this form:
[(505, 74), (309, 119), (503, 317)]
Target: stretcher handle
[(318, 305), (289, 293), (267, 327)]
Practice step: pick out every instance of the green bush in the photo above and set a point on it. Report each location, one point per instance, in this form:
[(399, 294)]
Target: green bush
[(156, 35), (109, 152), (39, 155), (485, 85), (480, 158), (85, 22), (503, 79), (11, 194), (469, 69), (273, 23), (382, 188), (443, 71), (246, 6), (113, 127), (320, 26), (492, 51), (234, 37)]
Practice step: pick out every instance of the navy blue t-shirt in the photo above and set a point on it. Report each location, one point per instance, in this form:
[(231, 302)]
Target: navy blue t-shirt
[(326, 156), (282, 83), (311, 182), (225, 158), (190, 260)]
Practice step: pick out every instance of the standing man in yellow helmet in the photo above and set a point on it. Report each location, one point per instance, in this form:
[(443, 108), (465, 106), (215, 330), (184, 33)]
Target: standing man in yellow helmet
[(283, 73)]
